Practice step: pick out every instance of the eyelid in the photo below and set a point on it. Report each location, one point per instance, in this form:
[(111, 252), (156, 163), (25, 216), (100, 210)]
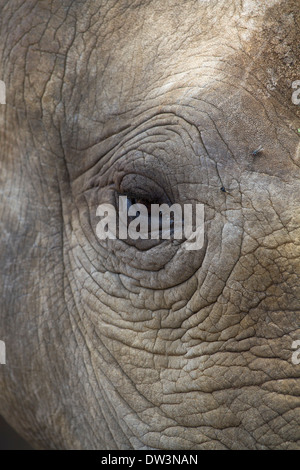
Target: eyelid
[(142, 197), (139, 186)]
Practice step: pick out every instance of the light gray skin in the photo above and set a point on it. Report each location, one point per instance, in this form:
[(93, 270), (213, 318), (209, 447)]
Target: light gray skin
[(111, 345)]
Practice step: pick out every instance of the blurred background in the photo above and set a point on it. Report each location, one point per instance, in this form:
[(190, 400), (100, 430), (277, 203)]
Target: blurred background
[(9, 439)]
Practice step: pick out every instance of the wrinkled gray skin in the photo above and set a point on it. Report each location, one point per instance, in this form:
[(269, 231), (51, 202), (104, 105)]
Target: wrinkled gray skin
[(111, 345)]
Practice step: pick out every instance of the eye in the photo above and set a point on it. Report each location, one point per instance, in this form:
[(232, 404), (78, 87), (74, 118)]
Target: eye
[(141, 189), (139, 206), (147, 219), (144, 191), (138, 194), (145, 201)]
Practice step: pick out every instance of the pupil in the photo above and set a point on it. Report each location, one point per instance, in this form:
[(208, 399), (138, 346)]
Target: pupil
[(134, 200)]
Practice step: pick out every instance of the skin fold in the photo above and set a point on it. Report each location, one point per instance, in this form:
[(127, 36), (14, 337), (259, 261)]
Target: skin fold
[(112, 345)]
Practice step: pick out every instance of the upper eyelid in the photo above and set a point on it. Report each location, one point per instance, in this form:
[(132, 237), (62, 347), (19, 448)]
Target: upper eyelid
[(146, 188), (138, 196)]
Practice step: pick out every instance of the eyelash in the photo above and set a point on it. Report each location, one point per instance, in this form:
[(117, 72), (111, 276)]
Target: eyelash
[(140, 198), (144, 190)]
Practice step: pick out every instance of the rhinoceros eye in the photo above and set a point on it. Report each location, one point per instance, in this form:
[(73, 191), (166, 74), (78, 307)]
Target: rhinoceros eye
[(140, 195), (134, 199), (139, 206), (140, 189)]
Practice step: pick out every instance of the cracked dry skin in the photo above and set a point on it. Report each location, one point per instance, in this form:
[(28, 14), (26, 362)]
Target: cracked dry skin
[(117, 346)]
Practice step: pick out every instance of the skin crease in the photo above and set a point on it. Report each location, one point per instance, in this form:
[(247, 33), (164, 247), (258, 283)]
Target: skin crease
[(110, 346)]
